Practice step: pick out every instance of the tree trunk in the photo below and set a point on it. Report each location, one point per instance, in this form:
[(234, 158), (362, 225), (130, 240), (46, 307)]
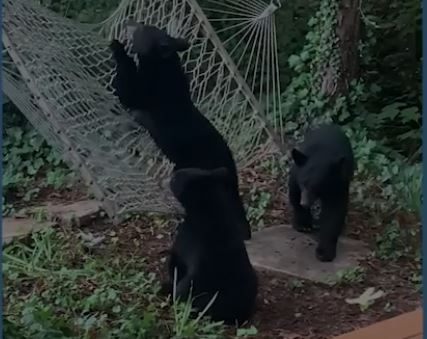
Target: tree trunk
[(348, 33)]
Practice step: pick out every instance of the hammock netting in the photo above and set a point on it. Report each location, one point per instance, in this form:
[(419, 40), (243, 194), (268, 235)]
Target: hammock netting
[(58, 73)]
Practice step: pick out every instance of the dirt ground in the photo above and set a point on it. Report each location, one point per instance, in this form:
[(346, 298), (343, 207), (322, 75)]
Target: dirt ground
[(286, 309)]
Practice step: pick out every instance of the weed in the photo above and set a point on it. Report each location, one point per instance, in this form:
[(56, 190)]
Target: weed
[(296, 284), (259, 201), (246, 332), (349, 275), (417, 280), (29, 163), (391, 244), (40, 214), (76, 295)]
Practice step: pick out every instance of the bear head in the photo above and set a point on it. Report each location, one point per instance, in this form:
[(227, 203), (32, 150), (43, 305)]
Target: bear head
[(316, 174), (202, 192), (151, 42)]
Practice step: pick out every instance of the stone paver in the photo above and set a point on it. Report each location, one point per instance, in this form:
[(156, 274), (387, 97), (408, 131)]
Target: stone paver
[(20, 227), (78, 213), (282, 249)]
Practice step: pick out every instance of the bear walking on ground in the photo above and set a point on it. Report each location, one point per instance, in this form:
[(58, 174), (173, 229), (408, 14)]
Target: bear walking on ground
[(158, 93), (208, 252), (323, 169)]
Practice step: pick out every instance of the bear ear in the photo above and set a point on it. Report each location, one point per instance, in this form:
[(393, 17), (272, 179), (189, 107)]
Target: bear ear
[(299, 157), (181, 44), (130, 27), (170, 45), (142, 41)]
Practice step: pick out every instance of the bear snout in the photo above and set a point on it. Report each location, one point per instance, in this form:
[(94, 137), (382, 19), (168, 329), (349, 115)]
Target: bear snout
[(305, 198)]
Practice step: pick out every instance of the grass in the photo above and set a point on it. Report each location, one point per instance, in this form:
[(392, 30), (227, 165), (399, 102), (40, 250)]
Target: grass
[(55, 287)]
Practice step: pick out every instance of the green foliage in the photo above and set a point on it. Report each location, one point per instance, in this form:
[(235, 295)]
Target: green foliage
[(390, 179), (246, 332), (394, 242), (349, 276), (29, 163), (391, 61), (86, 11), (56, 288), (304, 103), (296, 284), (259, 202), (291, 22), (81, 294)]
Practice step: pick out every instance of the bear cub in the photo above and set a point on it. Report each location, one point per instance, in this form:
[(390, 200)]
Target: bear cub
[(323, 167), (158, 94), (208, 253)]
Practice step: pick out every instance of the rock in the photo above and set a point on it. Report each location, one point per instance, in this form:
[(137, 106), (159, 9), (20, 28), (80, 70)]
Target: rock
[(282, 249), (13, 228), (76, 214)]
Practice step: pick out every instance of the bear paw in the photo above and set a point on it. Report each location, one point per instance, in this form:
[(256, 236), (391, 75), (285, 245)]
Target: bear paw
[(303, 226), (325, 255), (117, 47)]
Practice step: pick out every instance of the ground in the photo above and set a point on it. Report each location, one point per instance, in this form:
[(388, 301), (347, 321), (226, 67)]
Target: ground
[(287, 307)]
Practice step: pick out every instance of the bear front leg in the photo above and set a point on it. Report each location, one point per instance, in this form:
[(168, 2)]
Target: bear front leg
[(184, 288), (174, 262), (244, 225), (302, 220), (332, 222)]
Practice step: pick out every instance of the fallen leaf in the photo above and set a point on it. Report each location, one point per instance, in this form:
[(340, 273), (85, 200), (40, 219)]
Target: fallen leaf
[(366, 299)]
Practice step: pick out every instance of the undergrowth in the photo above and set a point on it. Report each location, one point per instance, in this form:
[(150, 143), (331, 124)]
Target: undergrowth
[(29, 163), (55, 287)]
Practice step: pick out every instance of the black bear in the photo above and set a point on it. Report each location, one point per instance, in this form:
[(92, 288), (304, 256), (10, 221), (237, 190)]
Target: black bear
[(323, 169), (158, 93), (208, 253)]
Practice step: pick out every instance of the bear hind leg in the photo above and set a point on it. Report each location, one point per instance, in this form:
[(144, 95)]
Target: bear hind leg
[(332, 222)]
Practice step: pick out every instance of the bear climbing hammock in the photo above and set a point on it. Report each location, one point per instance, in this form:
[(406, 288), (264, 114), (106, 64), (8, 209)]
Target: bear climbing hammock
[(58, 73)]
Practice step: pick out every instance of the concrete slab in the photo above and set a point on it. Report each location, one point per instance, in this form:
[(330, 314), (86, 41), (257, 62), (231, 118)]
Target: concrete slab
[(282, 249), (20, 227), (78, 213), (73, 214)]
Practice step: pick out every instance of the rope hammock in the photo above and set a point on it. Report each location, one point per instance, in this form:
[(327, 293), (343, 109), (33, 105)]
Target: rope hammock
[(58, 73)]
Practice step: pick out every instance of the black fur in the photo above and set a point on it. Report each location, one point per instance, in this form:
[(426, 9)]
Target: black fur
[(323, 169), (159, 92), (208, 252)]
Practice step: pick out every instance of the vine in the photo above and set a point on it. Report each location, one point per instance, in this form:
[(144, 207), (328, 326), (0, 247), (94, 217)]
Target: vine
[(312, 98)]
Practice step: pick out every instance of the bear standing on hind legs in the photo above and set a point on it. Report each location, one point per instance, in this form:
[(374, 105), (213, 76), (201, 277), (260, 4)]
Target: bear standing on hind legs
[(158, 94), (323, 169), (208, 253)]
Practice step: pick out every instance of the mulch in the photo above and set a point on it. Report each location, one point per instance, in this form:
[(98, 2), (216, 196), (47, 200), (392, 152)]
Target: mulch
[(310, 310)]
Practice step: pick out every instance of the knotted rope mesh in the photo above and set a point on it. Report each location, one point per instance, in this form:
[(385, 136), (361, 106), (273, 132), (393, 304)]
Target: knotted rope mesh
[(58, 73)]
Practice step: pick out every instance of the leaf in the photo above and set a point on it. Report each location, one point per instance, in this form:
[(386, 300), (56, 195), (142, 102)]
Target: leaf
[(391, 111), (410, 114), (366, 299), (293, 61), (411, 135), (244, 332), (89, 240), (302, 93), (375, 88)]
